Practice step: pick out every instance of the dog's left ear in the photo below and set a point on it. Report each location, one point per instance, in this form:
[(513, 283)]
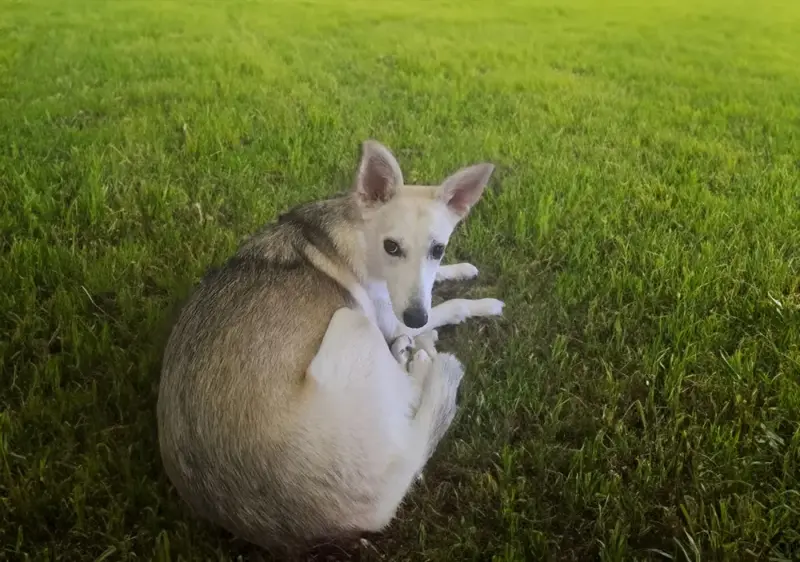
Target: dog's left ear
[(463, 189), (379, 174)]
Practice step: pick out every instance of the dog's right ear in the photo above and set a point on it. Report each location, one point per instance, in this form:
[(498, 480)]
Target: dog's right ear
[(379, 174)]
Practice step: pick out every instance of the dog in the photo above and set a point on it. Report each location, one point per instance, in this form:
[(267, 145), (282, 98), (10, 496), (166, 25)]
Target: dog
[(301, 393)]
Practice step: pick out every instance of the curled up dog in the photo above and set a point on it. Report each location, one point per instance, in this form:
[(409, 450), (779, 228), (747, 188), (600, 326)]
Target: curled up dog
[(292, 406)]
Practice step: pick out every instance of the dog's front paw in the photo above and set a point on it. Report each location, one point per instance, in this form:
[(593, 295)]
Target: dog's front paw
[(488, 307), (457, 272), (464, 271)]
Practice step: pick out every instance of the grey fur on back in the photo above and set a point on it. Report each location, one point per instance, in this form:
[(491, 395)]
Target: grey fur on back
[(264, 311)]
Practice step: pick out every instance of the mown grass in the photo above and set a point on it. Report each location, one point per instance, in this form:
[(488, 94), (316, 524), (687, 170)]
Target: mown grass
[(641, 399)]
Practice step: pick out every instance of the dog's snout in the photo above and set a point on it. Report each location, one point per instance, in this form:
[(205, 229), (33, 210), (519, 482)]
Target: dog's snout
[(415, 317)]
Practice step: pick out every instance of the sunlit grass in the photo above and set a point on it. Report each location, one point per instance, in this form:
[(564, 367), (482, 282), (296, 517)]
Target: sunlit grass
[(641, 399)]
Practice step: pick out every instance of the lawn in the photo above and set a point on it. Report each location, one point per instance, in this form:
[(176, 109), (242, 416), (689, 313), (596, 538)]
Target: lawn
[(641, 397)]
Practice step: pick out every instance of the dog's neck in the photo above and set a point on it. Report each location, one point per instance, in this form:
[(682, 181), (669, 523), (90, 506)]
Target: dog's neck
[(335, 239), (352, 250), (343, 241), (347, 236)]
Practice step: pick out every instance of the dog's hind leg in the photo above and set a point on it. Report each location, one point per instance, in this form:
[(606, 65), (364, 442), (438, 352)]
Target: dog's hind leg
[(401, 349), (438, 405), (427, 342), (440, 378), (403, 345), (374, 422)]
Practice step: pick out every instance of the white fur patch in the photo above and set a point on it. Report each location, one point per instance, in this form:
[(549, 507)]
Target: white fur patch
[(456, 272)]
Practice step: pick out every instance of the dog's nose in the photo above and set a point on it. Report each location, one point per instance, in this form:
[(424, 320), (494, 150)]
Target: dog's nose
[(415, 317)]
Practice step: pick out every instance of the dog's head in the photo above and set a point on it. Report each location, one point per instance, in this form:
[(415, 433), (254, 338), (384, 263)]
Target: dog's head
[(407, 227)]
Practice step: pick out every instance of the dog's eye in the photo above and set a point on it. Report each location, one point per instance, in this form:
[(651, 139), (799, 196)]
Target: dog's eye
[(392, 248), (437, 251)]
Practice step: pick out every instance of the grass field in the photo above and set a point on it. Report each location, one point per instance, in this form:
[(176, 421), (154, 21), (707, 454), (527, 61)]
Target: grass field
[(641, 398)]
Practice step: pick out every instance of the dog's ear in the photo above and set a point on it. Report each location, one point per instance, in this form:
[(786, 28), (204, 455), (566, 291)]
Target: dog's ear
[(379, 174), (463, 189)]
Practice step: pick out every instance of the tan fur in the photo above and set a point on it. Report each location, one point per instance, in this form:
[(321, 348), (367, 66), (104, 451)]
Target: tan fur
[(283, 414)]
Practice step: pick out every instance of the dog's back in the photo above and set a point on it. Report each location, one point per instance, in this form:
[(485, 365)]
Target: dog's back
[(236, 358)]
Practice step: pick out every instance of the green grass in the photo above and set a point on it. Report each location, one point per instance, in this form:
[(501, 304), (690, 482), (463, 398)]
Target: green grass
[(641, 399)]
